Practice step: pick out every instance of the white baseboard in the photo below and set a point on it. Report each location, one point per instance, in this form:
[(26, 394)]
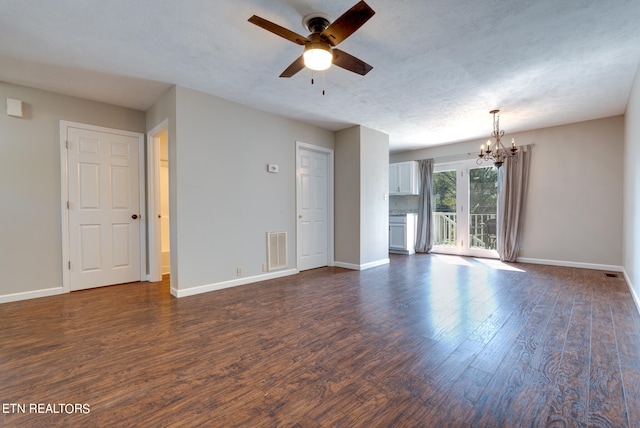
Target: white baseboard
[(636, 298), (595, 266), (6, 298), (363, 266), (184, 292), (610, 268)]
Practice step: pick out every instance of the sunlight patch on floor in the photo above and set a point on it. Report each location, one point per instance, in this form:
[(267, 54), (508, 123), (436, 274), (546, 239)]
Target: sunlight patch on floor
[(497, 264), (453, 260)]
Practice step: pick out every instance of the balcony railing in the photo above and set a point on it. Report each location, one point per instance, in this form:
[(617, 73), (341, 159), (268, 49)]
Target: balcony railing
[(482, 233)]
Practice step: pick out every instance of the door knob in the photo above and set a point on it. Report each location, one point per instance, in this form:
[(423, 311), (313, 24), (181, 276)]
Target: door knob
[(299, 215), (135, 216)]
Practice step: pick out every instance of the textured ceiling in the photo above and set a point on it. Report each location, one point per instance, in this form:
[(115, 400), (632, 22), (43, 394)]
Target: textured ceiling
[(439, 65)]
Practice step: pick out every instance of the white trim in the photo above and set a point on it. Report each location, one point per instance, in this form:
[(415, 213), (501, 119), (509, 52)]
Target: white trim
[(634, 295), (184, 292), (26, 295), (153, 180), (365, 266), (330, 199), (64, 194), (595, 266), (64, 197)]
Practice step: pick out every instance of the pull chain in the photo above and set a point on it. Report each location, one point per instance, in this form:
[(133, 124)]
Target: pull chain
[(313, 80), (323, 83)]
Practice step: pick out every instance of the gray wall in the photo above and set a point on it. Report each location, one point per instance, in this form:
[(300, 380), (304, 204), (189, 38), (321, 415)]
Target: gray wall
[(632, 190), (347, 196), (226, 201), (30, 219), (574, 208), (374, 185), (362, 212)]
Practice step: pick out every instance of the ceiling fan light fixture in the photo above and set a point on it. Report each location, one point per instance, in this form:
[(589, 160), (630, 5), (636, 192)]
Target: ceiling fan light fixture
[(318, 56), (320, 50)]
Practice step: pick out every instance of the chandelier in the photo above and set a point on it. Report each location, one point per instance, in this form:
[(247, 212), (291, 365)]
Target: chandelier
[(498, 153)]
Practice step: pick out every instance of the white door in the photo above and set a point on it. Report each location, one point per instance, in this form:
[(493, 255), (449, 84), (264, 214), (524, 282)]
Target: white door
[(104, 208), (312, 206), (465, 209)]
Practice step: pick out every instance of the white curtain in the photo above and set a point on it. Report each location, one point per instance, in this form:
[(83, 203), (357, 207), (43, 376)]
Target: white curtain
[(424, 232), (513, 178)]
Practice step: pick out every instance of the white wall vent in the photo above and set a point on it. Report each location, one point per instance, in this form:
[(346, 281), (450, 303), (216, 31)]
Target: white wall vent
[(276, 250)]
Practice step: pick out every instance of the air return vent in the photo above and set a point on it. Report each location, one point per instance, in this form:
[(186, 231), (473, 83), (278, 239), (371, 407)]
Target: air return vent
[(276, 250)]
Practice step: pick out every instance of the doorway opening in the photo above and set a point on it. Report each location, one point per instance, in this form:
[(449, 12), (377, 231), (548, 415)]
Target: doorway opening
[(158, 201), (465, 210)]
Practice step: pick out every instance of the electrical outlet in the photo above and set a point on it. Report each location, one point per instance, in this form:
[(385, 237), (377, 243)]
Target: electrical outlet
[(239, 271), (264, 267)]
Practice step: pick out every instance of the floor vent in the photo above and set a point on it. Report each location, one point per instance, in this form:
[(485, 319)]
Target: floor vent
[(611, 275), (276, 250)]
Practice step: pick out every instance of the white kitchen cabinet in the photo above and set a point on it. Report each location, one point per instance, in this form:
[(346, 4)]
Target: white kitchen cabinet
[(402, 233), (404, 178)]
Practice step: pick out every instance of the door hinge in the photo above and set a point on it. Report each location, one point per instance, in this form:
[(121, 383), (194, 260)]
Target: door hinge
[(68, 205), (66, 144), (69, 265)]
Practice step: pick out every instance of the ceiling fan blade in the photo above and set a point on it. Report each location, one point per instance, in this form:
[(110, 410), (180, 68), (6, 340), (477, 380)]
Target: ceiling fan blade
[(277, 29), (295, 66), (350, 62), (348, 23)]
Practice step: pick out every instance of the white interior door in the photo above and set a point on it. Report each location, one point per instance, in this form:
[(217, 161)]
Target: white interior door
[(312, 206), (104, 208)]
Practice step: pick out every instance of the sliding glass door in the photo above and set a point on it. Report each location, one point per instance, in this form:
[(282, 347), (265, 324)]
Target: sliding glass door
[(465, 198)]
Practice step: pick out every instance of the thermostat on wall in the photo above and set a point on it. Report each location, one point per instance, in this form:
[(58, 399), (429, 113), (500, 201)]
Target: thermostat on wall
[(14, 107), (272, 167)]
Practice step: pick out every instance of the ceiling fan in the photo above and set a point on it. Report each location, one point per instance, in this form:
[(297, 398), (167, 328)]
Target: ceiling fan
[(320, 46)]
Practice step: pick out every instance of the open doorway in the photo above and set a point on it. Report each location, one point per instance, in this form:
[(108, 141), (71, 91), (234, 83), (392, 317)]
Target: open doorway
[(164, 202), (159, 215)]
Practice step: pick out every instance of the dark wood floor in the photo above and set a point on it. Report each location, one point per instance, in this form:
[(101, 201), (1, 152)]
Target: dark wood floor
[(426, 341)]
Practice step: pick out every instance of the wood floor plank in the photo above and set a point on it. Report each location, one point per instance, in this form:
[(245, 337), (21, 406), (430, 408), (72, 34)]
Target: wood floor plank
[(493, 353), (425, 341), (628, 343), (607, 406), (569, 398), (507, 400)]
